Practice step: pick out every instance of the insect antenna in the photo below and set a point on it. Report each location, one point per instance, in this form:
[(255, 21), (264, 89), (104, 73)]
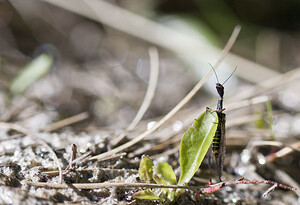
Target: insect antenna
[(230, 76), (214, 72)]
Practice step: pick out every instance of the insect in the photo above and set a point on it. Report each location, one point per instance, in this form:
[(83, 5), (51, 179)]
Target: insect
[(218, 148)]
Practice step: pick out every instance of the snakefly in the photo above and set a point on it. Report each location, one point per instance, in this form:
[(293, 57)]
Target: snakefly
[(218, 148)]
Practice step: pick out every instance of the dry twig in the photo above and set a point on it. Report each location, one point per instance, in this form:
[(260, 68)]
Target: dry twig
[(113, 156), (82, 158), (268, 85), (66, 122), (121, 171), (219, 186), (55, 159), (11, 137), (154, 71), (283, 152), (105, 185), (72, 157), (202, 190), (14, 126)]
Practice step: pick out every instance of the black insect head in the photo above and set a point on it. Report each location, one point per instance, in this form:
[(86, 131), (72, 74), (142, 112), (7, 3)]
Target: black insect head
[(220, 89)]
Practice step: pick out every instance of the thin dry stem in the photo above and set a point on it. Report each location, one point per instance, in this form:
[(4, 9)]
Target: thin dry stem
[(55, 172), (283, 152), (14, 126), (272, 188), (228, 46), (219, 186), (82, 157), (118, 155), (186, 99), (166, 153), (154, 71), (270, 84), (55, 159), (242, 120), (234, 105), (66, 122), (200, 189), (105, 185), (245, 181), (11, 137), (287, 179), (72, 157), (266, 143)]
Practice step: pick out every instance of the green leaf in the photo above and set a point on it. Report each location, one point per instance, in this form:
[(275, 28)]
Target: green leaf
[(195, 144), (146, 169), (164, 174), (146, 194), (33, 71)]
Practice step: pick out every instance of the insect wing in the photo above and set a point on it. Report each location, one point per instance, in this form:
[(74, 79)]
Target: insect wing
[(211, 162), (222, 148), (216, 158)]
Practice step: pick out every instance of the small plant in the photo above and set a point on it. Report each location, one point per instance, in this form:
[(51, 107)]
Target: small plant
[(193, 148)]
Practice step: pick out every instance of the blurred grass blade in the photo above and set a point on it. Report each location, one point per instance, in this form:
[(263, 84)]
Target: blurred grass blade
[(260, 122), (146, 169), (32, 72), (146, 194), (195, 144)]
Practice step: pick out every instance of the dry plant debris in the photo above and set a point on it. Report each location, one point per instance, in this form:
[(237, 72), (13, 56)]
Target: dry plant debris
[(51, 154)]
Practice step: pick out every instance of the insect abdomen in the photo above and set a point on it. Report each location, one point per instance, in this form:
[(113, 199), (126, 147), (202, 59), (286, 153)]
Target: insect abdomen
[(219, 134)]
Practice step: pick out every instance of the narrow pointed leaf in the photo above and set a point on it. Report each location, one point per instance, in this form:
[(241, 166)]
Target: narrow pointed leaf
[(146, 169), (195, 144), (146, 194), (33, 71)]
